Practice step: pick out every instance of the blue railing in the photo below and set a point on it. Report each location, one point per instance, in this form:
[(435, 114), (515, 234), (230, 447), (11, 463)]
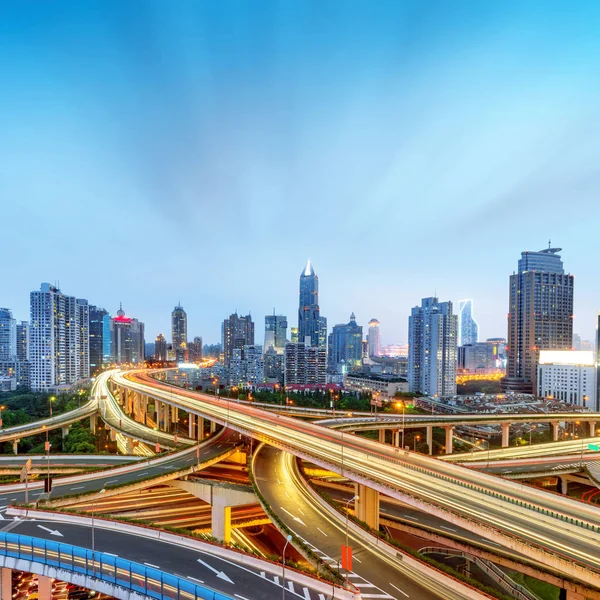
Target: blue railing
[(112, 569)]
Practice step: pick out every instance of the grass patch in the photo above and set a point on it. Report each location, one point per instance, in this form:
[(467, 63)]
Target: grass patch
[(542, 589)]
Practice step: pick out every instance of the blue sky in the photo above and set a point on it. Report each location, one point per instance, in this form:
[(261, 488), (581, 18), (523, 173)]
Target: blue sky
[(153, 152)]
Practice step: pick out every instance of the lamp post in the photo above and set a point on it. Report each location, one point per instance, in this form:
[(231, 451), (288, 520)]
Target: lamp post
[(287, 541), (1, 409), (51, 399), (347, 511), (530, 431), (401, 405), (93, 530), (415, 440)]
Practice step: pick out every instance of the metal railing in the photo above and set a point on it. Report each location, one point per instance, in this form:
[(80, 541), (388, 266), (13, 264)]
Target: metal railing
[(105, 567)]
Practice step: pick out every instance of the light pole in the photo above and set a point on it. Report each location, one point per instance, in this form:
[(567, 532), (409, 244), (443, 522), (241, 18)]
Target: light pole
[(347, 511), (93, 531), (530, 430), (401, 405), (1, 409), (287, 541), (415, 440)]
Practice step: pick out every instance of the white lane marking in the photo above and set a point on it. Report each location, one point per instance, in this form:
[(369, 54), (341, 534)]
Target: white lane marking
[(297, 519), (2, 498), (301, 512), (79, 487), (147, 564), (12, 499), (397, 588), (194, 579), (447, 528), (375, 596), (111, 554), (262, 574), (276, 580), (354, 574), (357, 559), (291, 586), (410, 517), (490, 542), (322, 597), (240, 597), (112, 481), (361, 585), (322, 532), (306, 593)]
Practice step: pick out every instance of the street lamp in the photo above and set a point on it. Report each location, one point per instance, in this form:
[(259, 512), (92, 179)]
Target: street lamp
[(401, 405), (1, 409), (51, 399), (93, 530), (287, 541), (347, 511), (530, 430), (415, 440)]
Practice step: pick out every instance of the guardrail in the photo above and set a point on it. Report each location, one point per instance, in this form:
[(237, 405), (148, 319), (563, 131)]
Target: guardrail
[(104, 567)]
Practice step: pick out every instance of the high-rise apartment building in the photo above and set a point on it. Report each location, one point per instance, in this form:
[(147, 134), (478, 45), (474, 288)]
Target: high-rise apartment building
[(308, 312), (8, 335), (179, 333), (236, 332), (432, 330), (160, 348), (96, 334), (23, 341), (58, 339), (195, 350), (540, 315), (373, 338), (126, 339), (305, 364), (468, 330), (275, 332), (322, 332), (345, 347)]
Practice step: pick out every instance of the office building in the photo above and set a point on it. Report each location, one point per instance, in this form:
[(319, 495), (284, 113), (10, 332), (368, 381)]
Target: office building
[(499, 351), (432, 330), (96, 335), (305, 364), (382, 387), (478, 359), (468, 330), (273, 366), (8, 335), (294, 335), (179, 333), (308, 311), (568, 376), (322, 332), (540, 315), (126, 339), (237, 332), (346, 347), (195, 350), (160, 348), (373, 338), (58, 340), (275, 332), (23, 341)]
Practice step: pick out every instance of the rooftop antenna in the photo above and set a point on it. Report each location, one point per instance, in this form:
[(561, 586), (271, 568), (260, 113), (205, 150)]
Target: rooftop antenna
[(549, 244)]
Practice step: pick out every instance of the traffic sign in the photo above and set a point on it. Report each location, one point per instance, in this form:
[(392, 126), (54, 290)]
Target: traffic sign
[(595, 447)]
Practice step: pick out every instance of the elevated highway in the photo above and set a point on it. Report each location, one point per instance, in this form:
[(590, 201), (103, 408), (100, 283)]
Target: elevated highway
[(557, 532)]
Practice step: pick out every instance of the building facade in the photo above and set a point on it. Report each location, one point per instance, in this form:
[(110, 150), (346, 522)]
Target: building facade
[(195, 350), (126, 339), (247, 366), (308, 311), (96, 336), (568, 376), (275, 332), (345, 347), (58, 340), (480, 358), (540, 315), (160, 348), (237, 332), (305, 364), (432, 331), (179, 333), (383, 387), (374, 339), (8, 335), (468, 330)]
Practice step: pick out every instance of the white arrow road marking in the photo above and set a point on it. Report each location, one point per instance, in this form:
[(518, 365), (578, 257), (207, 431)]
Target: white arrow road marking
[(218, 573), (298, 519), (51, 531)]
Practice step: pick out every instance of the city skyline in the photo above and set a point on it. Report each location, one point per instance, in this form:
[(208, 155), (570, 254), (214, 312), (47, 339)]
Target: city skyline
[(465, 118)]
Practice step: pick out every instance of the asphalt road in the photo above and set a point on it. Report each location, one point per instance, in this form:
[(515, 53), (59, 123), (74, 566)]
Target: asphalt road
[(373, 572), (225, 576)]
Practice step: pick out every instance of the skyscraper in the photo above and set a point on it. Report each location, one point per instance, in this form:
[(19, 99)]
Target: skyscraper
[(308, 312), (540, 315), (432, 331), (322, 332), (468, 330), (160, 348), (179, 333), (275, 332), (96, 318), (237, 332), (373, 338), (23, 341), (345, 347), (8, 335), (58, 339), (126, 339), (195, 350), (83, 324)]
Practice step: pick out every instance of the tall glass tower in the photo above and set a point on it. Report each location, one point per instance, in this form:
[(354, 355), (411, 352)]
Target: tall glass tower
[(308, 312), (179, 333)]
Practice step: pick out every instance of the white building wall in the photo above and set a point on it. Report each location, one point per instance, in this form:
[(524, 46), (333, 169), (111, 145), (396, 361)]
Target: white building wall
[(575, 384)]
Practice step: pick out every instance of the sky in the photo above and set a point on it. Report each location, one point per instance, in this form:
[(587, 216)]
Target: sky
[(200, 152)]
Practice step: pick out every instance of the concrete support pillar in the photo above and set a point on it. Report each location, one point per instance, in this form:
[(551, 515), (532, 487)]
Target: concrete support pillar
[(395, 438), (93, 424), (200, 428), (555, 426), (367, 506), (16, 446), (137, 409), (129, 445), (65, 431), (174, 414), (505, 434), (113, 435), (6, 583), (221, 522), (192, 426), (592, 425), (449, 438), (213, 426), (44, 587), (429, 429), (167, 417), (570, 595), (382, 436), (563, 485)]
